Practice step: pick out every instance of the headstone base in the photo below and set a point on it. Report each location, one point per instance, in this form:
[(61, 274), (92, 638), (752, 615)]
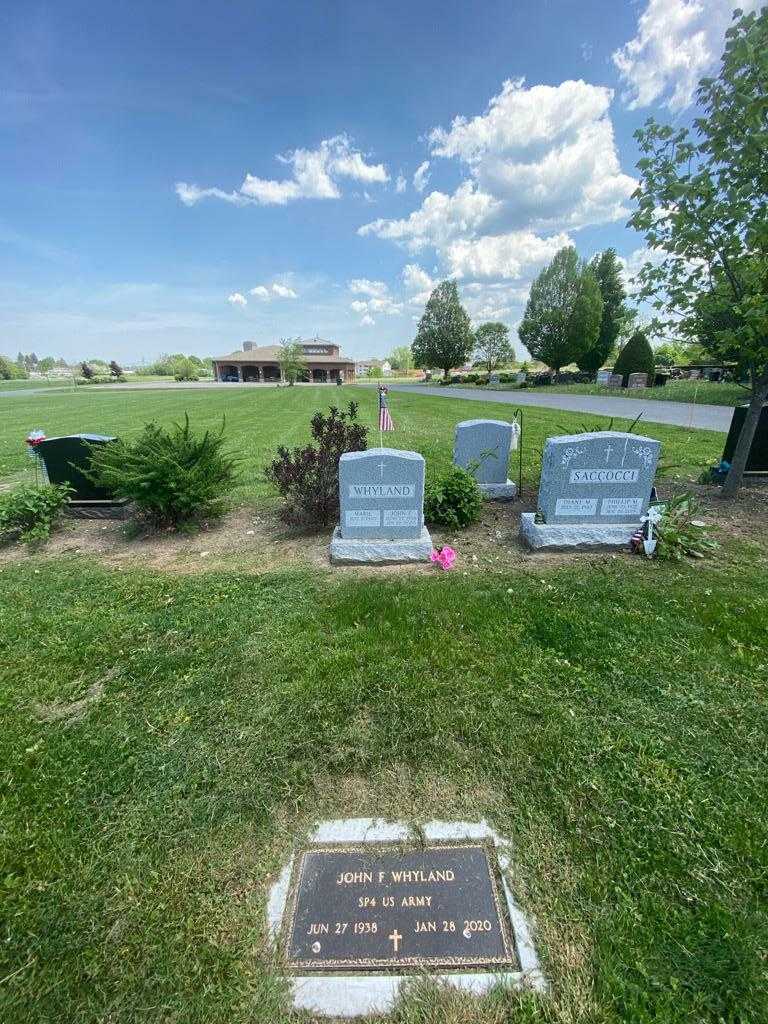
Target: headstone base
[(499, 492), (564, 537), (375, 551)]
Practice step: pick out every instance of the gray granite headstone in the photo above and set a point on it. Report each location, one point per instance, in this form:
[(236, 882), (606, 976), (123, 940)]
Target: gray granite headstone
[(602, 477), (615, 380), (482, 447), (594, 489), (381, 499), (603, 376), (493, 378), (520, 378), (637, 380)]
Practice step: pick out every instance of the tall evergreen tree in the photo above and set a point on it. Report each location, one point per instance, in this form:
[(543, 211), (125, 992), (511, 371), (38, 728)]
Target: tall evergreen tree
[(562, 317), (444, 337), (605, 266)]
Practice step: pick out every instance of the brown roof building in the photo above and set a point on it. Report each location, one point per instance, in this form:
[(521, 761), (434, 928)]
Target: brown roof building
[(261, 363)]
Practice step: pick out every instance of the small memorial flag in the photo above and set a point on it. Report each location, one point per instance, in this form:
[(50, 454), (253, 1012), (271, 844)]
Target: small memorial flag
[(385, 420)]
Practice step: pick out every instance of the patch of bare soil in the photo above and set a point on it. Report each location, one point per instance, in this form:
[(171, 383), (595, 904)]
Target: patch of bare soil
[(254, 540)]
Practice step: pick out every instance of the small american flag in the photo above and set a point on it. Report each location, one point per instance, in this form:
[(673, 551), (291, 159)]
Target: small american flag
[(385, 420)]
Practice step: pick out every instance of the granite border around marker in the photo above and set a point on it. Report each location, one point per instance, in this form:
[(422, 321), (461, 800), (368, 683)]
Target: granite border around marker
[(564, 537), (350, 995), (376, 551)]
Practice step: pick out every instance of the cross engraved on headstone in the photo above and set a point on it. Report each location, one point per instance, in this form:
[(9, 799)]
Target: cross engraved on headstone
[(395, 938)]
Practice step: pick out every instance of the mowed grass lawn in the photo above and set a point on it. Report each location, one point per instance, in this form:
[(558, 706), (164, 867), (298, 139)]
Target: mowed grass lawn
[(608, 715), (702, 392), (258, 420)]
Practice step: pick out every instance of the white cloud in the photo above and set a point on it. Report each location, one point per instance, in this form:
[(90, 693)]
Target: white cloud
[(677, 43), (539, 160), (439, 219), (378, 299), (363, 286), (416, 279), (237, 299), (367, 321), (279, 291), (282, 291), (314, 174), (421, 177), (191, 194), (510, 256), (400, 184)]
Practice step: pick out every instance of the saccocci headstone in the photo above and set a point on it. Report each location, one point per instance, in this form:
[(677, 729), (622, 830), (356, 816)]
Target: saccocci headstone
[(381, 502), (482, 447), (594, 489)]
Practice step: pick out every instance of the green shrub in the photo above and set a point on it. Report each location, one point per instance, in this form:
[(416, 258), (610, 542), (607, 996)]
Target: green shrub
[(29, 512), (175, 477), (471, 378), (455, 501), (636, 357)]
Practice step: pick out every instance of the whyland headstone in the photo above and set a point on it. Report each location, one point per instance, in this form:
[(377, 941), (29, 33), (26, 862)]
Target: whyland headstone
[(381, 499), (594, 489), (482, 447)]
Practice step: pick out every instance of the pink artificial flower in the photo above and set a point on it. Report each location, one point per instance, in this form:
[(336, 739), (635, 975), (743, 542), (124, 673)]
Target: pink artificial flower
[(445, 557)]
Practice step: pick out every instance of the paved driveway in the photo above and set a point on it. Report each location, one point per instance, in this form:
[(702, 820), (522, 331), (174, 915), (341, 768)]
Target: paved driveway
[(680, 414)]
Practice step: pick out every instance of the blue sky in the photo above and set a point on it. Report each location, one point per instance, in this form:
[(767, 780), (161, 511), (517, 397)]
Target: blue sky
[(184, 176)]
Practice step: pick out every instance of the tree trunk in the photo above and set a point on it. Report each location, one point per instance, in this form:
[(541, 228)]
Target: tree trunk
[(744, 444), (446, 371)]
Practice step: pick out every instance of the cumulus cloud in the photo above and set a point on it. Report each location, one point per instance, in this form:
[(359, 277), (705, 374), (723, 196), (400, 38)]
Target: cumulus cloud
[(273, 291), (379, 299), (421, 177), (282, 291), (363, 286), (236, 299), (314, 174), (539, 160), (510, 256), (677, 43), (367, 321), (439, 219), (400, 184)]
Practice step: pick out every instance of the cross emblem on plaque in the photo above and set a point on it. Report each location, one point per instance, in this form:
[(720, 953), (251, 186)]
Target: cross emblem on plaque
[(394, 938), (381, 465), (608, 450)]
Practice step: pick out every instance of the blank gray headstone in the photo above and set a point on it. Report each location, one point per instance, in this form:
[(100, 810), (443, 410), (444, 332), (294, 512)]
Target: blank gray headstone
[(483, 446)]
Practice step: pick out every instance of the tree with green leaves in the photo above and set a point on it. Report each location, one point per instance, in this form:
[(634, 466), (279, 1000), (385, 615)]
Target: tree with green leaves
[(702, 206), (606, 268), (291, 359), (492, 345), (444, 337), (636, 357), (401, 358), (564, 311)]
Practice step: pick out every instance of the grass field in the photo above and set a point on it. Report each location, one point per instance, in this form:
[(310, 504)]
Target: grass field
[(702, 392), (257, 421), (27, 385), (165, 737)]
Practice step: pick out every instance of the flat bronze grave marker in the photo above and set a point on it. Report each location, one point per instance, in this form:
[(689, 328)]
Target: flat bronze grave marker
[(379, 906)]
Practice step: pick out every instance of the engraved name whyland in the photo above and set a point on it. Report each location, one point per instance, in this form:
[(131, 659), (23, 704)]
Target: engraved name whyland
[(381, 490)]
